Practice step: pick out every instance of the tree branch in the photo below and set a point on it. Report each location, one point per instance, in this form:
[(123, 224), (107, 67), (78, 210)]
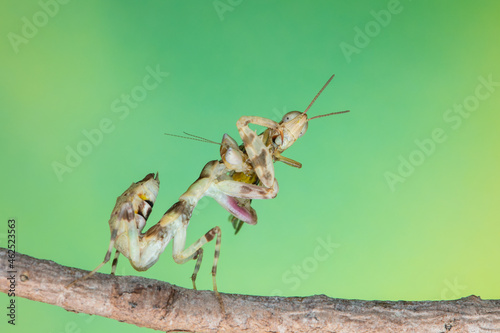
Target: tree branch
[(162, 306)]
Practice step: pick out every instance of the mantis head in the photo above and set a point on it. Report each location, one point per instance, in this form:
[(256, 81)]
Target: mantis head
[(294, 124)]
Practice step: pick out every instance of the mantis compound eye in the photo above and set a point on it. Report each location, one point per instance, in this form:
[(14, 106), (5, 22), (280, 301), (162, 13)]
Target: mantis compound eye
[(304, 129), (290, 115)]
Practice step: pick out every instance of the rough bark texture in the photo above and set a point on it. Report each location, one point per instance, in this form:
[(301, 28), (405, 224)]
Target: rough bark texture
[(165, 307)]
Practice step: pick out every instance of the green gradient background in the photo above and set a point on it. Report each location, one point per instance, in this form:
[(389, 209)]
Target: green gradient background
[(436, 236)]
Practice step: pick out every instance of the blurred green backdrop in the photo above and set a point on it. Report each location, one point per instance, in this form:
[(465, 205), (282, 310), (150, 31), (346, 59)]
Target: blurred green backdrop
[(404, 190)]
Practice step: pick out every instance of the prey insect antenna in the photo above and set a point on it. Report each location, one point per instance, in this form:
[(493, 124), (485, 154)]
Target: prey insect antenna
[(194, 137), (328, 114), (319, 93)]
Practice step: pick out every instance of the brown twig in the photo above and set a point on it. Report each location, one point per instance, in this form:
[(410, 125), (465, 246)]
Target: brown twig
[(165, 307)]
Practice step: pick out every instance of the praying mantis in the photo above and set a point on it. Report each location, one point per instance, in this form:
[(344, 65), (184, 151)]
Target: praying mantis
[(243, 173)]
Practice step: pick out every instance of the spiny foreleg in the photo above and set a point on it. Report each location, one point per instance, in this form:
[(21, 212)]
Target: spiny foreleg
[(259, 154)]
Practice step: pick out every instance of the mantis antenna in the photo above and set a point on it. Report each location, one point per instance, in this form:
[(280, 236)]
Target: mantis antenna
[(317, 95), (329, 114), (194, 137)]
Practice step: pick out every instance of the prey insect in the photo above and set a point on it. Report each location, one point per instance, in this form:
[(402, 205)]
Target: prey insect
[(244, 173)]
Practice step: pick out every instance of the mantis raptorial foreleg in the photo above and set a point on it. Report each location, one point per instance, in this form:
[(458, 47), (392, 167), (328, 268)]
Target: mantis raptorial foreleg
[(259, 154), (248, 191)]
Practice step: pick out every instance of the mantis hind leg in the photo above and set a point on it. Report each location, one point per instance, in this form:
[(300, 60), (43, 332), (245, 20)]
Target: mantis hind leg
[(195, 251), (106, 259), (115, 262), (199, 257), (126, 212)]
